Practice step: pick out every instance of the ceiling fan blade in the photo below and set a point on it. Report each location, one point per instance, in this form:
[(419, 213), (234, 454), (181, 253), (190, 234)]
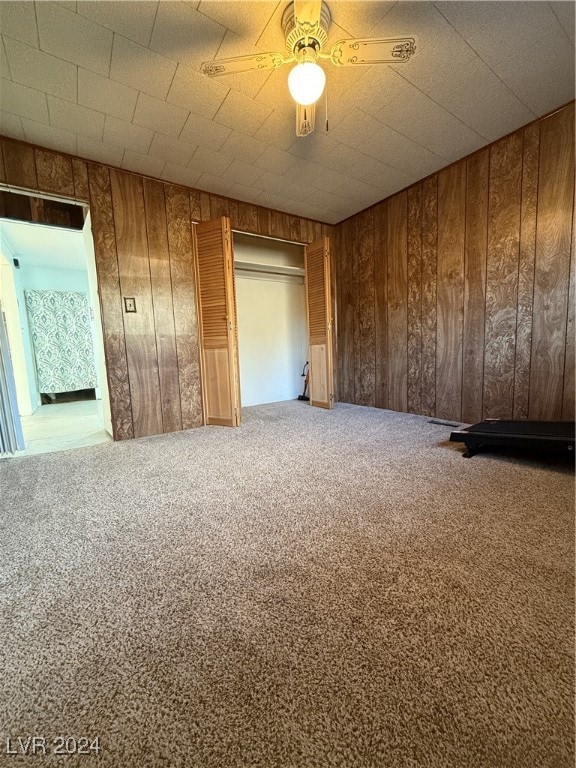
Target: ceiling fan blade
[(393, 50), (249, 63), (307, 11), (305, 117)]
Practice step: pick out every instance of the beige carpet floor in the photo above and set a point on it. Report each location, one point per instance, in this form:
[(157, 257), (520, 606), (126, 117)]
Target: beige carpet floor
[(312, 590)]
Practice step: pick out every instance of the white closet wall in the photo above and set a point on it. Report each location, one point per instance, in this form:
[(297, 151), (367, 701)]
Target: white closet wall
[(272, 329)]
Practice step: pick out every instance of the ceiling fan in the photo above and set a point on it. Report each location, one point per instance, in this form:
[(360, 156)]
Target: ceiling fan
[(305, 24)]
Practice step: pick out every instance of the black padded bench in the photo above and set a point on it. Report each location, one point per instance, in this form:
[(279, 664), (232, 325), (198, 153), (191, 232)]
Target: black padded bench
[(545, 435)]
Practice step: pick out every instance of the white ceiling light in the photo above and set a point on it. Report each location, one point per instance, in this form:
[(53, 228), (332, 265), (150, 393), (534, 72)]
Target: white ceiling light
[(306, 82)]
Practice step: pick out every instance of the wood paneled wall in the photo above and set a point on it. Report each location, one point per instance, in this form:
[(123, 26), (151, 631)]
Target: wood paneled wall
[(144, 245), (456, 296)]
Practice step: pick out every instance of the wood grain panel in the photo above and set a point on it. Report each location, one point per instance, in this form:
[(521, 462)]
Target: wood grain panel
[(450, 290), (279, 225), (530, 159), (397, 250), (110, 301), (195, 207), (2, 169), (568, 404), (553, 242), (366, 384), (205, 207), (54, 173), (314, 231), (182, 271), (80, 173), (334, 243), (264, 221), (247, 220), (381, 306), (219, 206), (414, 338), (134, 270), (504, 204), (346, 315), (162, 304), (429, 310), (356, 288), (20, 165), (294, 233), (477, 172)]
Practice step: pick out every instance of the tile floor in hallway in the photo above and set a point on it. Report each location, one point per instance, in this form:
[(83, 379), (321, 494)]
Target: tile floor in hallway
[(63, 426)]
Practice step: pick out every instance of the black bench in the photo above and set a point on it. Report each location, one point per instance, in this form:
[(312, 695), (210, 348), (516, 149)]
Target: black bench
[(546, 435)]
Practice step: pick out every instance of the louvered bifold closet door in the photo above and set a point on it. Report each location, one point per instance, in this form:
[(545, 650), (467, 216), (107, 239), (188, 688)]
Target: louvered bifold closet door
[(318, 305), (218, 334)]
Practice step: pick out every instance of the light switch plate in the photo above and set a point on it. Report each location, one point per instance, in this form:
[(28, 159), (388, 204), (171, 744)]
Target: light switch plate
[(129, 304)]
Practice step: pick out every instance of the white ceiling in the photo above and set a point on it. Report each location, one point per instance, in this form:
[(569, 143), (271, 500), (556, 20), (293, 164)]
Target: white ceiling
[(119, 83), (35, 245)]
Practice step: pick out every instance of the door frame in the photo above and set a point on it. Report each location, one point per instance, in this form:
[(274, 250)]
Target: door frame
[(92, 270)]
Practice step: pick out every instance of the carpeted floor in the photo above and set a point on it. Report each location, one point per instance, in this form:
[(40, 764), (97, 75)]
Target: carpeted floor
[(313, 590)]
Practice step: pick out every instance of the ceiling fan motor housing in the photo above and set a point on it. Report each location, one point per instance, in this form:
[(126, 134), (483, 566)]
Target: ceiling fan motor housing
[(305, 35)]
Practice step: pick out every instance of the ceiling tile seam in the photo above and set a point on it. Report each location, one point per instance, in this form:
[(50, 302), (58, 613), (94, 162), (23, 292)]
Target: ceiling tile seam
[(486, 63), (153, 25), (278, 4), (50, 55), (37, 26), (561, 25), (398, 133), (6, 57), (484, 138), (206, 16), (18, 118)]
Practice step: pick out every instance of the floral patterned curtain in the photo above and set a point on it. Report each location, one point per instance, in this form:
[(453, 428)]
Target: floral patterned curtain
[(62, 338)]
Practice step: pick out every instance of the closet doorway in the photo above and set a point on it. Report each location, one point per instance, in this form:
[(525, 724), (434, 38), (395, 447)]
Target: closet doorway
[(49, 296), (272, 324)]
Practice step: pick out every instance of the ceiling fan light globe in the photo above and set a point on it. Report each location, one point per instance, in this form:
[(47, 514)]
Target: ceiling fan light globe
[(306, 83)]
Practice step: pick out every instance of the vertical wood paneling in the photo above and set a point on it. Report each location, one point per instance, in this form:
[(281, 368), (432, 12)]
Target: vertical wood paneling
[(345, 315), (205, 208), (219, 206), (20, 165), (54, 173), (450, 290), (104, 236), (429, 273), (294, 228), (414, 338), (160, 280), (195, 207), (134, 270), (530, 158), (2, 169), (477, 172), (264, 221), (397, 251), (356, 282), (568, 404), (381, 305), (504, 203), (334, 243), (80, 174), (366, 285), (315, 231), (247, 217), (553, 242), (181, 247)]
